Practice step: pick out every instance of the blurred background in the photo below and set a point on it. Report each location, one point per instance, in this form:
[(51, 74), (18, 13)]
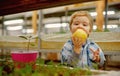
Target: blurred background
[(56, 19), (50, 20)]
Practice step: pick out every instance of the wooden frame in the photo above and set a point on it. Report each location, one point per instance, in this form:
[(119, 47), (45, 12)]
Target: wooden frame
[(17, 6)]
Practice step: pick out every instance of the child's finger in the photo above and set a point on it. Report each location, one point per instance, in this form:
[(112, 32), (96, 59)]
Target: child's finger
[(92, 50), (97, 58)]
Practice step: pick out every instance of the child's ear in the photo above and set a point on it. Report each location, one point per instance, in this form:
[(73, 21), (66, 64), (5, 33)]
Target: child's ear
[(90, 31), (71, 31)]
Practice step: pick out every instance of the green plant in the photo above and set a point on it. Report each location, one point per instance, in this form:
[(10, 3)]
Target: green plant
[(49, 69), (5, 68), (106, 30), (1, 68), (29, 37)]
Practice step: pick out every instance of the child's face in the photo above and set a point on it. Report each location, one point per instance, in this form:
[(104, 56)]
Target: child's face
[(80, 22)]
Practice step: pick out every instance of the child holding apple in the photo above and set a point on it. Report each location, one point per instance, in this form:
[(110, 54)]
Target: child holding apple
[(79, 51)]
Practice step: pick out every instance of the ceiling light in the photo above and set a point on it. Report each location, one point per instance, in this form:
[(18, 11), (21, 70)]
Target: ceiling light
[(11, 22), (108, 26), (12, 28), (111, 26), (108, 12), (93, 13), (27, 30), (56, 25)]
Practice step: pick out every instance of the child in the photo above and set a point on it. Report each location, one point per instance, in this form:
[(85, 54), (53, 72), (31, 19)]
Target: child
[(77, 53)]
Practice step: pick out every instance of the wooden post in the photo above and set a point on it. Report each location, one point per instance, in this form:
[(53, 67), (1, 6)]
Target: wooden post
[(34, 22), (66, 18), (100, 6)]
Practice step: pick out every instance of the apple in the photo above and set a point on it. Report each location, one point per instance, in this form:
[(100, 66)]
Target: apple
[(80, 33)]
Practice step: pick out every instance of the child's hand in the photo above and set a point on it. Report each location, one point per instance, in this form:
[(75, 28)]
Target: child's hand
[(77, 44), (96, 56)]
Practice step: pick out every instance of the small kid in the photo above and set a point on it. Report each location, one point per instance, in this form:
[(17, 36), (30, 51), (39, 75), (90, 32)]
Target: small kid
[(78, 53)]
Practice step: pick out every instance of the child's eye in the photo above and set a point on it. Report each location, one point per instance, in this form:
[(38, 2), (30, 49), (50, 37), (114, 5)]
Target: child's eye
[(76, 23), (84, 24)]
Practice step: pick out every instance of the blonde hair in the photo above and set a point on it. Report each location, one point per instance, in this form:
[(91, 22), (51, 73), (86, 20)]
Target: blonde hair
[(82, 13)]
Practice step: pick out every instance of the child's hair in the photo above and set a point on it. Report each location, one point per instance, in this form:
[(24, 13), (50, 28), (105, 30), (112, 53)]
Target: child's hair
[(82, 13)]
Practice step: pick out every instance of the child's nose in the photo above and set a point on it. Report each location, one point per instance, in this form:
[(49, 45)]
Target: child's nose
[(80, 25)]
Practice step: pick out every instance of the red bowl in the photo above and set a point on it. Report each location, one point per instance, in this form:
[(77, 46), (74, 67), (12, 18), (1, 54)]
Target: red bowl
[(24, 57)]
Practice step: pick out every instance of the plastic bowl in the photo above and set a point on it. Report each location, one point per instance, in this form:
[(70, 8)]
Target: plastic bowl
[(24, 57)]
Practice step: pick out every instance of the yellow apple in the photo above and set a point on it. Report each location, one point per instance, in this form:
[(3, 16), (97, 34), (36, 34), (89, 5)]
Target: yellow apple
[(80, 34)]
